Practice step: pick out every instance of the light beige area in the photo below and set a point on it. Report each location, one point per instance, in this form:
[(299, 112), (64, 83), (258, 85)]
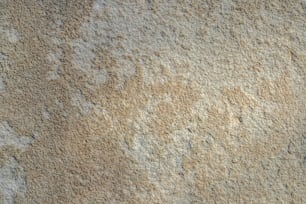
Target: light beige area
[(108, 101)]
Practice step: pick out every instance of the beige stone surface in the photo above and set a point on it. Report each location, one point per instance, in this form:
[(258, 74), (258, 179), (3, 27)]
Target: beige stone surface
[(150, 101)]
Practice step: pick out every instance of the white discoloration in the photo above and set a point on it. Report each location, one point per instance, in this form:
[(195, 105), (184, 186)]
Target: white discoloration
[(99, 5), (95, 35), (46, 114), (2, 84), (83, 59), (12, 35), (8, 137), (99, 77), (53, 75), (12, 177), (7, 32), (79, 100), (83, 55), (54, 59), (5, 62), (160, 160), (12, 182)]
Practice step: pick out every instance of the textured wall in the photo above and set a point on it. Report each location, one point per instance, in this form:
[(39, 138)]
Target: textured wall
[(112, 101)]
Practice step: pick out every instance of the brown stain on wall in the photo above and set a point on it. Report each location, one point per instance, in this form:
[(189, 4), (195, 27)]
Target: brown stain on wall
[(80, 159), (61, 166), (176, 114), (277, 90), (236, 140), (236, 96)]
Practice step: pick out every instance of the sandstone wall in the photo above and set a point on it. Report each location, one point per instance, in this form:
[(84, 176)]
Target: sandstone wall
[(150, 101)]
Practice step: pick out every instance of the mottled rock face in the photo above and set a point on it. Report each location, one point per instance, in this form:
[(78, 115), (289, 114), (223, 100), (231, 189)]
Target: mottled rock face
[(105, 101)]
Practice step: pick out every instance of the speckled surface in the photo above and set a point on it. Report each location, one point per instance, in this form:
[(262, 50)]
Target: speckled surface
[(152, 101)]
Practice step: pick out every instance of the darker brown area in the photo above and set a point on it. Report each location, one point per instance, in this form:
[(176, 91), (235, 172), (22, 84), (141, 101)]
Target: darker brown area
[(66, 164), (78, 159)]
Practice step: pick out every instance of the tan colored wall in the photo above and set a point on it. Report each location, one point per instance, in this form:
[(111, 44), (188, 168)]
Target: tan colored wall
[(109, 101)]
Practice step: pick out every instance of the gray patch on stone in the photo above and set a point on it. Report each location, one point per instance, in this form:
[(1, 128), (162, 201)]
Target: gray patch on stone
[(11, 35), (98, 77), (8, 137), (54, 59), (83, 55), (12, 181), (2, 84), (12, 177), (79, 100)]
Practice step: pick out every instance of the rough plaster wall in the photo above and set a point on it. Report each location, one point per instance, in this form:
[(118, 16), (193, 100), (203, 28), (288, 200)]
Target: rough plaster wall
[(108, 101)]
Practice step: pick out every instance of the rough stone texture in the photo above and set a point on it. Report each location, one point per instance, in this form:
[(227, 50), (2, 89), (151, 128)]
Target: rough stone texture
[(108, 101)]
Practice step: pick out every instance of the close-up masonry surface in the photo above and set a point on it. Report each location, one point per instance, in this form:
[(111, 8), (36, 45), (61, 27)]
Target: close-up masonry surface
[(152, 101)]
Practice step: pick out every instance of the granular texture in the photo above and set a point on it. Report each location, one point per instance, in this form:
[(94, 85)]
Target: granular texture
[(150, 101)]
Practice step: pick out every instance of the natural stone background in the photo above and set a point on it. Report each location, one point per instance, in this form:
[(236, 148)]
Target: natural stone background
[(112, 101)]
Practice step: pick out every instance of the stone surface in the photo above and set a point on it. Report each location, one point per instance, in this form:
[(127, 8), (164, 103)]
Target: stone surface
[(108, 101)]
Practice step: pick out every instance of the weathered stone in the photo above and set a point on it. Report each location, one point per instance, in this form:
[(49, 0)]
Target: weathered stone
[(105, 101)]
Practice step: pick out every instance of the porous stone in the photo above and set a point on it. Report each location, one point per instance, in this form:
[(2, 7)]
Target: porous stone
[(108, 101)]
